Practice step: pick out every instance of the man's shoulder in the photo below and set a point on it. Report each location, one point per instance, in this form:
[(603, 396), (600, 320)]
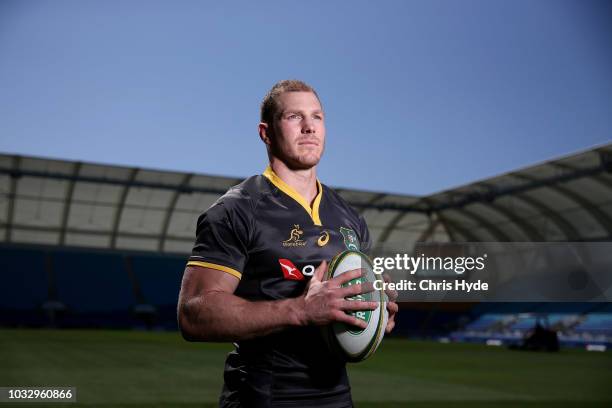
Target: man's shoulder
[(336, 199), (246, 194)]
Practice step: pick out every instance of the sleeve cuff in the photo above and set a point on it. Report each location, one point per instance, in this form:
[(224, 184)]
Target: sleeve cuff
[(218, 267)]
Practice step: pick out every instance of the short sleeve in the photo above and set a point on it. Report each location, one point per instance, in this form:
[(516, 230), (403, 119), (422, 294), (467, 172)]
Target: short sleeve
[(364, 236), (221, 240)]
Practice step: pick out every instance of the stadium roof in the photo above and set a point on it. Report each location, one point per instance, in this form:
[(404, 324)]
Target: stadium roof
[(67, 203)]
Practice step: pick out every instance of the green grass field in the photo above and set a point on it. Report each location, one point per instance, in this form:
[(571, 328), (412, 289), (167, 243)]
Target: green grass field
[(139, 369)]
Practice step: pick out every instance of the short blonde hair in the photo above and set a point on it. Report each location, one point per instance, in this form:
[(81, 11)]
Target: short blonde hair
[(269, 105)]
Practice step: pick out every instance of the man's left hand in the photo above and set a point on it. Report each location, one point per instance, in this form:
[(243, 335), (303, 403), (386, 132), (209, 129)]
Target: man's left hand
[(392, 307)]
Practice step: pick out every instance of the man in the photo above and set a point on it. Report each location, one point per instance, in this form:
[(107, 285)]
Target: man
[(255, 275)]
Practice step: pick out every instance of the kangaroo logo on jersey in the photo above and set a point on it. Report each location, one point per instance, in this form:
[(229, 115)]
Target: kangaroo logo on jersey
[(350, 239), (295, 238), (323, 239)]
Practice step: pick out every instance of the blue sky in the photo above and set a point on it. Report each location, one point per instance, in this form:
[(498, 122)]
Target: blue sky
[(420, 96)]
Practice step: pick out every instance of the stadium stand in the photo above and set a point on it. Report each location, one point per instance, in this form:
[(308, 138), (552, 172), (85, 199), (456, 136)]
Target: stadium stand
[(23, 288), (94, 288), (576, 324), (91, 283), (75, 288), (160, 280), (91, 245)]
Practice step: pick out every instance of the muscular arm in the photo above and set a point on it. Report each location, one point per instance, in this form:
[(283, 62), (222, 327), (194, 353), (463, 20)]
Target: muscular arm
[(209, 311)]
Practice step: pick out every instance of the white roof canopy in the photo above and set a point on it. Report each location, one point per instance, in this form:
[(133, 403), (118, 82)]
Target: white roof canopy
[(66, 203)]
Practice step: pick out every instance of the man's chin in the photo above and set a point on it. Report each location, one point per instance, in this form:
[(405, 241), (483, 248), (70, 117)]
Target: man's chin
[(304, 163)]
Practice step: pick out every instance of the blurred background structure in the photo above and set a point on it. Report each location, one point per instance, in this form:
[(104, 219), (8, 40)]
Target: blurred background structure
[(92, 245)]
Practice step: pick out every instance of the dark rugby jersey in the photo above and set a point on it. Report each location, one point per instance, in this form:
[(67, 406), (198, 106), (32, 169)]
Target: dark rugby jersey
[(263, 232)]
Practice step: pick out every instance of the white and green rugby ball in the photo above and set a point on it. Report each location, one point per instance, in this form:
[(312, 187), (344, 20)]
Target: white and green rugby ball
[(352, 343)]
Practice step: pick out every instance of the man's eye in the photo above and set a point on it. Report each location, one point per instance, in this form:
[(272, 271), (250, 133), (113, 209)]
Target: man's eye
[(294, 116), (318, 117)]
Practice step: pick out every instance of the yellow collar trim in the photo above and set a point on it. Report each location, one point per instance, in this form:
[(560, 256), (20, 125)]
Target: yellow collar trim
[(285, 188)]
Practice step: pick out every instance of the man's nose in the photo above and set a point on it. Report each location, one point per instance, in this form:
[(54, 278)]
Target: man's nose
[(308, 125)]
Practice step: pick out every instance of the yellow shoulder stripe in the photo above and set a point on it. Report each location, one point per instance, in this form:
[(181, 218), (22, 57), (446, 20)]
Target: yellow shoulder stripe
[(231, 271)]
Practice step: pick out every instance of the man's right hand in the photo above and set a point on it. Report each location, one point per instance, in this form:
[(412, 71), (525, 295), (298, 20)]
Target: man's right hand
[(324, 302)]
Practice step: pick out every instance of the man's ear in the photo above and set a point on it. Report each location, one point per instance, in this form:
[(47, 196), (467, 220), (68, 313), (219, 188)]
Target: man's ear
[(265, 133)]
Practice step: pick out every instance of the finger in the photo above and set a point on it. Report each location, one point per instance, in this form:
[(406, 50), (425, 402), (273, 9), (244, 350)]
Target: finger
[(350, 320), (346, 277), (391, 294), (357, 305), (319, 273), (392, 307), (356, 289), (390, 326), (391, 321)]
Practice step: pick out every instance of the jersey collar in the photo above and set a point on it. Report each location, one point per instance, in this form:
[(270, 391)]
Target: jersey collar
[(285, 188)]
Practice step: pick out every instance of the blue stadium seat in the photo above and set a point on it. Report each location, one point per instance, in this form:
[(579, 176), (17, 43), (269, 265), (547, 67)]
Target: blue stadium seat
[(23, 284), (596, 323), (92, 282), (524, 323), (485, 321), (159, 278)]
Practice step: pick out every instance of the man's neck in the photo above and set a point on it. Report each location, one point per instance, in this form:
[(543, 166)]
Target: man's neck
[(302, 181)]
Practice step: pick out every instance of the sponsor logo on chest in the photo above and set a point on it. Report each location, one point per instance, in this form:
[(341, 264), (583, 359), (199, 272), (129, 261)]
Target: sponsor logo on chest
[(291, 272), (296, 234), (295, 237)]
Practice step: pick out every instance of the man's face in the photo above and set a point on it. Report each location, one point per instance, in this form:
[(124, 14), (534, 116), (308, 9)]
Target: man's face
[(298, 131)]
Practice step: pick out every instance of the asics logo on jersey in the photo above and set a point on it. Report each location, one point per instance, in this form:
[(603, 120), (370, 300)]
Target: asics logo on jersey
[(323, 239)]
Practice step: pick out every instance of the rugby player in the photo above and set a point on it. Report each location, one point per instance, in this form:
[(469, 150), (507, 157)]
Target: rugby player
[(255, 274)]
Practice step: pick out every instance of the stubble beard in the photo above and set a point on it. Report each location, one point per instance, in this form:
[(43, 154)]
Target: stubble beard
[(299, 160)]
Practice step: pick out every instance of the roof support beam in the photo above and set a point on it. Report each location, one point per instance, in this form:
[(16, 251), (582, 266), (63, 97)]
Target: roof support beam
[(120, 205), (568, 229), (489, 194), (598, 215), (10, 211), (384, 235), (451, 233), (429, 230), (166, 223), (68, 203), (93, 202), (371, 202), (530, 232), (102, 233), (108, 180), (570, 232), (599, 178), (451, 227), (496, 232), (187, 190)]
